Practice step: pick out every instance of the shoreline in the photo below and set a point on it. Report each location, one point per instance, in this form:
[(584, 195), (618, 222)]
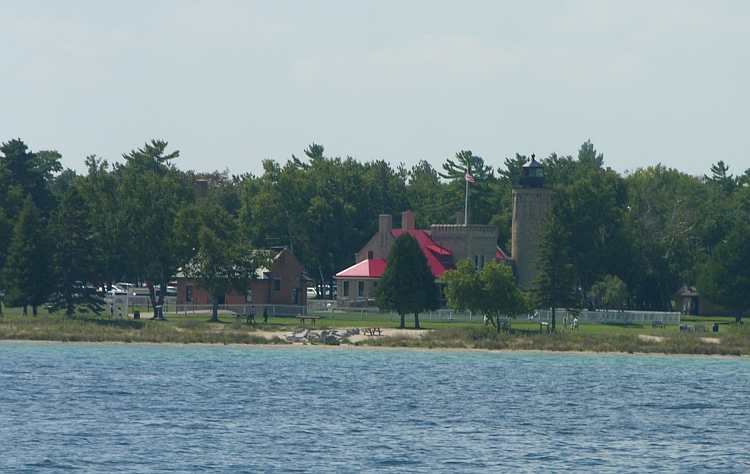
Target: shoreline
[(356, 347)]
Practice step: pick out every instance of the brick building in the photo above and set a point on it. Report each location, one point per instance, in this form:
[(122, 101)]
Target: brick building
[(283, 283), (442, 245)]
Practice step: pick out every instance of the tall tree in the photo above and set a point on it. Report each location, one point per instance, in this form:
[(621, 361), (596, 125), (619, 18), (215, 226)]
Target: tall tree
[(152, 192), (74, 267), (6, 230), (219, 266), (26, 271), (427, 196), (721, 178), (725, 277), (24, 173), (408, 285), (555, 283), (470, 179)]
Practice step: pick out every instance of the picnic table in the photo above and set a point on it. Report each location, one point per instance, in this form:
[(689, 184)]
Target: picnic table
[(372, 331), (302, 319), (544, 326)]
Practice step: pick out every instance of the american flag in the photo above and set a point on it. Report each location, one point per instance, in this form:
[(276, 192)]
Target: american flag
[(469, 178)]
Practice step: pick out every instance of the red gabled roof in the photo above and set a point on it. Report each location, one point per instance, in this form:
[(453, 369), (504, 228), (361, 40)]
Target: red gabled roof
[(438, 258), (370, 268)]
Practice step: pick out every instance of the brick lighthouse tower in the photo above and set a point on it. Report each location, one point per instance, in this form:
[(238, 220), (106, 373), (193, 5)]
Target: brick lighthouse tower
[(532, 203)]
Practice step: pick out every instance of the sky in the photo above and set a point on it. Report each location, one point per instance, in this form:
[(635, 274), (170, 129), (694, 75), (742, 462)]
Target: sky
[(230, 84)]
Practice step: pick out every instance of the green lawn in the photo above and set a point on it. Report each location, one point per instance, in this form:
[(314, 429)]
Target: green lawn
[(181, 328)]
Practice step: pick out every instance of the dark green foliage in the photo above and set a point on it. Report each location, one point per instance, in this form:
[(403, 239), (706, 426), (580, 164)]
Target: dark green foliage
[(27, 266), (721, 178), (24, 173), (725, 277), (408, 285), (610, 293), (491, 291), (152, 192), (655, 229), (6, 229), (555, 286), (74, 257), (219, 259)]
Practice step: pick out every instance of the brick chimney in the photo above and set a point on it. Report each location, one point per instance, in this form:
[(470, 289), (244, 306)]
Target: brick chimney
[(385, 223), (407, 220)]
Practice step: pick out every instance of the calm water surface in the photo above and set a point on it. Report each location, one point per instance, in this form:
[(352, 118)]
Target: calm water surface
[(143, 408)]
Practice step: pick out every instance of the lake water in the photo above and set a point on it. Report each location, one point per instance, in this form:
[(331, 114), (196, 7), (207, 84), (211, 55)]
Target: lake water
[(149, 408)]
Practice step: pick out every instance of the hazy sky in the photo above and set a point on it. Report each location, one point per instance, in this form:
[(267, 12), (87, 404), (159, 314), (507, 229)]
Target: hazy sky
[(232, 83)]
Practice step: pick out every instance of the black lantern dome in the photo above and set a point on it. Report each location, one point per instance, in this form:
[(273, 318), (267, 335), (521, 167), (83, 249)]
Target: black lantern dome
[(532, 175)]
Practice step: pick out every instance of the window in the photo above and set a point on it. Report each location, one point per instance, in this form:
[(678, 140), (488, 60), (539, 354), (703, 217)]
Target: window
[(346, 288), (369, 255), (188, 294), (481, 260), (277, 284), (360, 289), (295, 295), (476, 261)]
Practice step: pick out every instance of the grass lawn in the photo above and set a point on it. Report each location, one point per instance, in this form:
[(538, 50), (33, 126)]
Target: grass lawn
[(191, 328)]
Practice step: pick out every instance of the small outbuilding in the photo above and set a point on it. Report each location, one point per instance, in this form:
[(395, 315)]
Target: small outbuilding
[(283, 282)]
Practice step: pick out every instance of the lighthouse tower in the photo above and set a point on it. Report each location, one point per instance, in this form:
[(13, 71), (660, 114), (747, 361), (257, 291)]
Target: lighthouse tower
[(532, 203)]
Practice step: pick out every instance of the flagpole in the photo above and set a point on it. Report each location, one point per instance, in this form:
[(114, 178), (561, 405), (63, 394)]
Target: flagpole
[(466, 202)]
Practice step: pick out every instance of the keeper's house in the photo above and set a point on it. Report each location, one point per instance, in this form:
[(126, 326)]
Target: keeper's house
[(283, 282), (442, 245)]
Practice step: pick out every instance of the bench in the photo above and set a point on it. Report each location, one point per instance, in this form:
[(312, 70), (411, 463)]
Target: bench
[(657, 324), (302, 319)]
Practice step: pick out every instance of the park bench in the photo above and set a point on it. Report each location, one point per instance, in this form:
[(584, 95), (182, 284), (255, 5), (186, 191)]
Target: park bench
[(657, 324)]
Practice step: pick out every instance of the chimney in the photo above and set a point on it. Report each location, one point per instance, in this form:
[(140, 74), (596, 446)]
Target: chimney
[(385, 223), (407, 220)]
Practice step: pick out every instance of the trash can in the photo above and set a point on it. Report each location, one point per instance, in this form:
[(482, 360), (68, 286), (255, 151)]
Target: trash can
[(136, 315), (715, 327)]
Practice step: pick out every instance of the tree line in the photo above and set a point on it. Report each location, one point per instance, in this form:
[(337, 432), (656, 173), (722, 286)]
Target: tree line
[(639, 235)]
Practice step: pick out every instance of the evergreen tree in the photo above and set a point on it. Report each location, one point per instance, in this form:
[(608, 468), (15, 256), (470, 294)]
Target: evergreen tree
[(555, 283), (27, 266), (408, 285), (152, 191), (5, 235), (74, 261), (725, 277), (466, 166), (721, 178)]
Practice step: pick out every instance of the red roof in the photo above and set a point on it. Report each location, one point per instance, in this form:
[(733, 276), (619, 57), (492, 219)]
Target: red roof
[(501, 256), (438, 258), (370, 268)]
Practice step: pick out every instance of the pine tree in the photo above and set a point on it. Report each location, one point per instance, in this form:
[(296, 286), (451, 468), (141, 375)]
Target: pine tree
[(555, 283), (408, 285), (74, 257), (26, 269), (5, 234)]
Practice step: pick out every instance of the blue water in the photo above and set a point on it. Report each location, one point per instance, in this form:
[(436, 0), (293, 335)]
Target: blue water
[(148, 408)]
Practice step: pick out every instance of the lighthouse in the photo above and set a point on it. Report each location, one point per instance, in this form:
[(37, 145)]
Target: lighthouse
[(532, 203)]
